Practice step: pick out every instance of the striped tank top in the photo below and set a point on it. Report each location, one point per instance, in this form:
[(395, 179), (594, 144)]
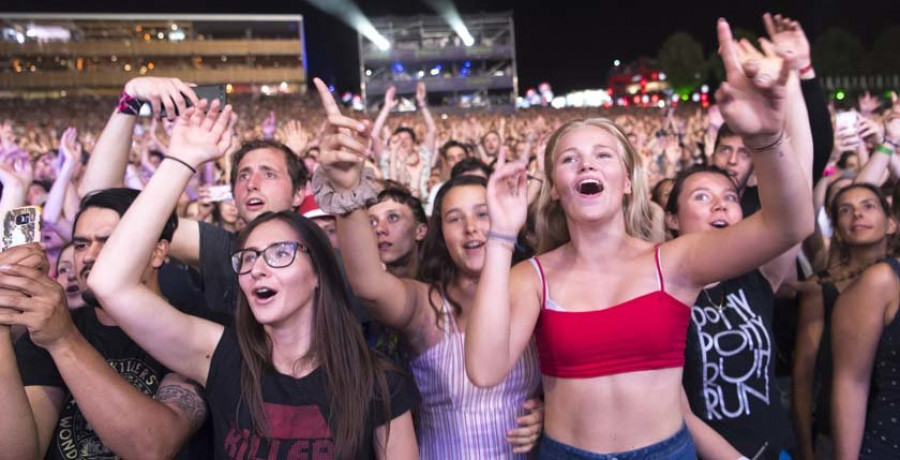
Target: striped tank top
[(459, 420)]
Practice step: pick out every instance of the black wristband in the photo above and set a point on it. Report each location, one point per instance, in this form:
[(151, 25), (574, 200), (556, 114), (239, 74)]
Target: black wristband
[(167, 157)]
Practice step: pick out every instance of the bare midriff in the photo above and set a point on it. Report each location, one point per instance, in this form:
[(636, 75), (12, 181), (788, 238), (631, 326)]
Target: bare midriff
[(614, 413)]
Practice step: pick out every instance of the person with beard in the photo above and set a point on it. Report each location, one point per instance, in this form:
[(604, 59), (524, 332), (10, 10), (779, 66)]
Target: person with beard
[(83, 388), (400, 225)]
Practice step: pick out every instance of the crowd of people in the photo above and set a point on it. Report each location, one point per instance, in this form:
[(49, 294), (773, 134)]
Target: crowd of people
[(280, 278)]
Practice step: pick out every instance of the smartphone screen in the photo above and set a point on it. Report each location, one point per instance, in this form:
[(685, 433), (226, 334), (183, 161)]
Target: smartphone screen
[(208, 92), (21, 226)]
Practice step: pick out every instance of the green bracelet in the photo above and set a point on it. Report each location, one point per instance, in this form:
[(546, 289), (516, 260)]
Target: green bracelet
[(884, 149)]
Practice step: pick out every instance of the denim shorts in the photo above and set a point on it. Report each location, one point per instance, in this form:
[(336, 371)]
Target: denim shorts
[(678, 447)]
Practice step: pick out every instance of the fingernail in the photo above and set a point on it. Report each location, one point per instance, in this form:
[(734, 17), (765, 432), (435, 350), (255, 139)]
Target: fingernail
[(360, 127)]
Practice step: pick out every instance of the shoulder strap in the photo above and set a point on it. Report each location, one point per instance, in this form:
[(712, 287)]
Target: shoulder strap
[(540, 271), (659, 277)]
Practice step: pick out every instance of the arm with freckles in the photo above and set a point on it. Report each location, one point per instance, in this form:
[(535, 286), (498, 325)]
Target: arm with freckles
[(753, 103), (181, 342)]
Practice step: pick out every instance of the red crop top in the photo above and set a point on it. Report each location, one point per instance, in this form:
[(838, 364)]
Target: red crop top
[(644, 333)]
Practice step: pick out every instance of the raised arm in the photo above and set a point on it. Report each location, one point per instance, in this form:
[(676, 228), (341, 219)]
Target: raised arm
[(430, 141), (753, 102), (181, 342), (796, 130), (506, 304), (392, 301), (106, 167), (16, 175), (389, 103), (856, 326), (53, 208)]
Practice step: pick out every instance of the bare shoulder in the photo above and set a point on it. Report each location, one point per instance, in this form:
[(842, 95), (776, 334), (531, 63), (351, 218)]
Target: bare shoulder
[(879, 279)]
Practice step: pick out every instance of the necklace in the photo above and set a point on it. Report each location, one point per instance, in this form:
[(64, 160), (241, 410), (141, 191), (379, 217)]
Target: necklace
[(721, 303)]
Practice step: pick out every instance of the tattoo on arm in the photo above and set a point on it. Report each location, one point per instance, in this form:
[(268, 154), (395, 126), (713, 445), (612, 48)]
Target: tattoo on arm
[(187, 400)]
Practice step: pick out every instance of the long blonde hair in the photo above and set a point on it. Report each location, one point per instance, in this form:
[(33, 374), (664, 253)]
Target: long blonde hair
[(552, 229)]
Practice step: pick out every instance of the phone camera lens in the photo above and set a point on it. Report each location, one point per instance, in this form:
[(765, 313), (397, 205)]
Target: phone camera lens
[(22, 219)]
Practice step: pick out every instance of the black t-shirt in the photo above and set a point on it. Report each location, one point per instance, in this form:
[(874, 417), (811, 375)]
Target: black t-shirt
[(73, 437), (297, 410), (750, 201), (729, 372), (220, 282)]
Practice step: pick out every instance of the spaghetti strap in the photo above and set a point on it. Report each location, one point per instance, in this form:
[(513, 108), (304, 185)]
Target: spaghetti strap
[(540, 270), (659, 276)]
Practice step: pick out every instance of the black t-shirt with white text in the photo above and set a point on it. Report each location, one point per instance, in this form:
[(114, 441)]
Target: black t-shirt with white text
[(73, 437), (729, 372), (297, 410)]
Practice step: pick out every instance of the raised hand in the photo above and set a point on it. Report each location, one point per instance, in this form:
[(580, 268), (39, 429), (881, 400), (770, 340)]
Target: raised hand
[(787, 35), (390, 100), (752, 99), (69, 148), (507, 196), (268, 125), (892, 121), (40, 304), (341, 154), (7, 137), (421, 94), (199, 137), (869, 130), (170, 93), (295, 137)]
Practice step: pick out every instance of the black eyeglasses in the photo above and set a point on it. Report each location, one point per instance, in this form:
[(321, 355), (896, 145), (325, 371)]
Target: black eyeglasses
[(276, 255)]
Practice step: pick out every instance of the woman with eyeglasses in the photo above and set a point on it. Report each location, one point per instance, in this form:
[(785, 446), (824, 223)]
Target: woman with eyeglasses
[(294, 376)]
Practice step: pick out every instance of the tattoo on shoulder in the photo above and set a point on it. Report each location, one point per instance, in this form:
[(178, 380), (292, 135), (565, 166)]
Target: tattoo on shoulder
[(185, 397)]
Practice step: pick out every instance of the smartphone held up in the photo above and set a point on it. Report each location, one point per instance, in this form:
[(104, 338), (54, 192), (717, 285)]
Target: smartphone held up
[(208, 92), (21, 226)]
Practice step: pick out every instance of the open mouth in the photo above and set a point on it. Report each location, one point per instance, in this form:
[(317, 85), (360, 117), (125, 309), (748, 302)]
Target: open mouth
[(473, 244), (264, 293), (72, 289), (719, 223), (254, 203), (590, 187), (384, 245)]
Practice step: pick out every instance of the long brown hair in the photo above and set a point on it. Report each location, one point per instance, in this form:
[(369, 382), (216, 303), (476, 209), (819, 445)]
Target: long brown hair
[(552, 229), (352, 370), (437, 269)]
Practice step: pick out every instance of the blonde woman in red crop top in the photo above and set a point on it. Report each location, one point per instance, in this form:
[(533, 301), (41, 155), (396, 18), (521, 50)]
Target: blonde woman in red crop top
[(608, 307)]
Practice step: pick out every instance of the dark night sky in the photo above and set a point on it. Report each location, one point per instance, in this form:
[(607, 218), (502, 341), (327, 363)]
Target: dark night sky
[(570, 44)]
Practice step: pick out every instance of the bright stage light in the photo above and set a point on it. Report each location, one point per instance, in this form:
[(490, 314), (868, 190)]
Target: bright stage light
[(350, 13), (448, 11)]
